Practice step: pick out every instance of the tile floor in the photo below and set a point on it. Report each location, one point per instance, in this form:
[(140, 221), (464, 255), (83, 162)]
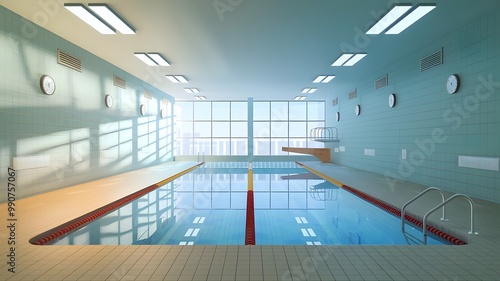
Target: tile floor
[(479, 260)]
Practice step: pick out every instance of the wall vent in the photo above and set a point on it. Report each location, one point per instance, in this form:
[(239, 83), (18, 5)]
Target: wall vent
[(69, 60), (148, 95), (352, 94), (382, 82), (335, 101), (431, 61), (119, 82)]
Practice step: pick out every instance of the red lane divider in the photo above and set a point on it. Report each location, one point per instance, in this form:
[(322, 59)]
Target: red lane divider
[(250, 223), (66, 228), (409, 218)]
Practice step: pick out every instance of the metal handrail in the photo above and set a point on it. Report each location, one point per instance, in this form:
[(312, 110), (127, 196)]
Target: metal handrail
[(415, 198), (424, 230)]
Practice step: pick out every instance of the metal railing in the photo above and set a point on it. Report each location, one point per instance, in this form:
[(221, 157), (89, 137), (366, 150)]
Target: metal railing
[(424, 229), (415, 198)]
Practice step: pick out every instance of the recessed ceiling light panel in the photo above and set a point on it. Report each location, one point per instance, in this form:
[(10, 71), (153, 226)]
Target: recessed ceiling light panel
[(146, 59), (89, 17), (389, 18), (354, 59), (176, 78), (416, 14), (323, 79), (111, 17)]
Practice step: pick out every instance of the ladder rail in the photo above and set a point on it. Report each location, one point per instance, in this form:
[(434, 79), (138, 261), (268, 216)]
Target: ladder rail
[(415, 198), (471, 203)]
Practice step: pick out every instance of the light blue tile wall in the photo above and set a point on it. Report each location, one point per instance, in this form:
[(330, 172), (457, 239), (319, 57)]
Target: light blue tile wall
[(466, 123), (83, 139)]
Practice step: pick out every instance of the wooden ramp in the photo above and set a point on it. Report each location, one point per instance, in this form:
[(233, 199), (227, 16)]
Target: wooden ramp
[(322, 153)]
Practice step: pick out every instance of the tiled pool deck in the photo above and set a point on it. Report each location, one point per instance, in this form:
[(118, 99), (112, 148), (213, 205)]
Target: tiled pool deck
[(479, 260)]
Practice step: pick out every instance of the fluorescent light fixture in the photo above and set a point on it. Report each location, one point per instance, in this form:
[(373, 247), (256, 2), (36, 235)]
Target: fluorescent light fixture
[(323, 79), (111, 17), (342, 59), (146, 59), (192, 90), (308, 90), (388, 19), (200, 97), (87, 16), (299, 98), (159, 59), (152, 59), (415, 15), (354, 59), (177, 78)]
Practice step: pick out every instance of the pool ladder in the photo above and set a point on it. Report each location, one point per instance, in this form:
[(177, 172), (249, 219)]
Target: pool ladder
[(440, 205)]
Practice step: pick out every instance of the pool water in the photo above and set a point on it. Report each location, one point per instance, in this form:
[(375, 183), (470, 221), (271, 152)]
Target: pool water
[(208, 207)]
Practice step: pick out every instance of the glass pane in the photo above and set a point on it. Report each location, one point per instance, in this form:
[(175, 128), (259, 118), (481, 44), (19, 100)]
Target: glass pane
[(220, 129), (202, 111), (184, 110), (239, 111), (220, 111), (221, 146), (201, 146), (202, 129), (279, 200), (183, 146), (298, 129), (239, 129), (184, 129), (261, 129), (279, 111), (239, 146), (298, 111), (297, 142), (276, 146), (279, 129), (316, 110), (261, 147), (261, 110)]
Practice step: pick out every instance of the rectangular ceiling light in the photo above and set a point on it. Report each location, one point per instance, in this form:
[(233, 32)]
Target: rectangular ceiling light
[(87, 16), (111, 17), (159, 59), (146, 59), (342, 59), (299, 98), (177, 78), (354, 59), (192, 90), (388, 19), (324, 79), (200, 97), (309, 90), (411, 18)]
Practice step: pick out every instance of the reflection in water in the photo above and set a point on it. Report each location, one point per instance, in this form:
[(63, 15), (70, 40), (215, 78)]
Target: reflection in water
[(208, 205)]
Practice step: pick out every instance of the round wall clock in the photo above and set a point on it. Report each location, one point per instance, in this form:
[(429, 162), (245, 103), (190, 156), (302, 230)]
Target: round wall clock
[(337, 116), (453, 84), (108, 100), (392, 100), (47, 84), (357, 109), (143, 109)]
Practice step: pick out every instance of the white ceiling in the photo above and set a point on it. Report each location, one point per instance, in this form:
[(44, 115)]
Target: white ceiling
[(265, 49)]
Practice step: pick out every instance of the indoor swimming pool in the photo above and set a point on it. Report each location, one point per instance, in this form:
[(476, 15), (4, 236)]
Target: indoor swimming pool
[(208, 206)]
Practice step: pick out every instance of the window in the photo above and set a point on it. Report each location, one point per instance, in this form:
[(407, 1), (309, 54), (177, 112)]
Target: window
[(221, 127)]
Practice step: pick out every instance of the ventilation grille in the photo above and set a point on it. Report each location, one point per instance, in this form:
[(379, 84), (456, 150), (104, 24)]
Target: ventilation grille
[(69, 60), (431, 61), (148, 95), (353, 94), (381, 82), (335, 101), (119, 82)]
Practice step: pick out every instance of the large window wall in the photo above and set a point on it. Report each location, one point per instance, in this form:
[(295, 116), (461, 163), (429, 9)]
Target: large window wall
[(223, 127)]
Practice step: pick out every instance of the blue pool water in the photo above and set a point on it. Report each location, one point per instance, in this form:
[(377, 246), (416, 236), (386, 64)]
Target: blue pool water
[(208, 206)]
